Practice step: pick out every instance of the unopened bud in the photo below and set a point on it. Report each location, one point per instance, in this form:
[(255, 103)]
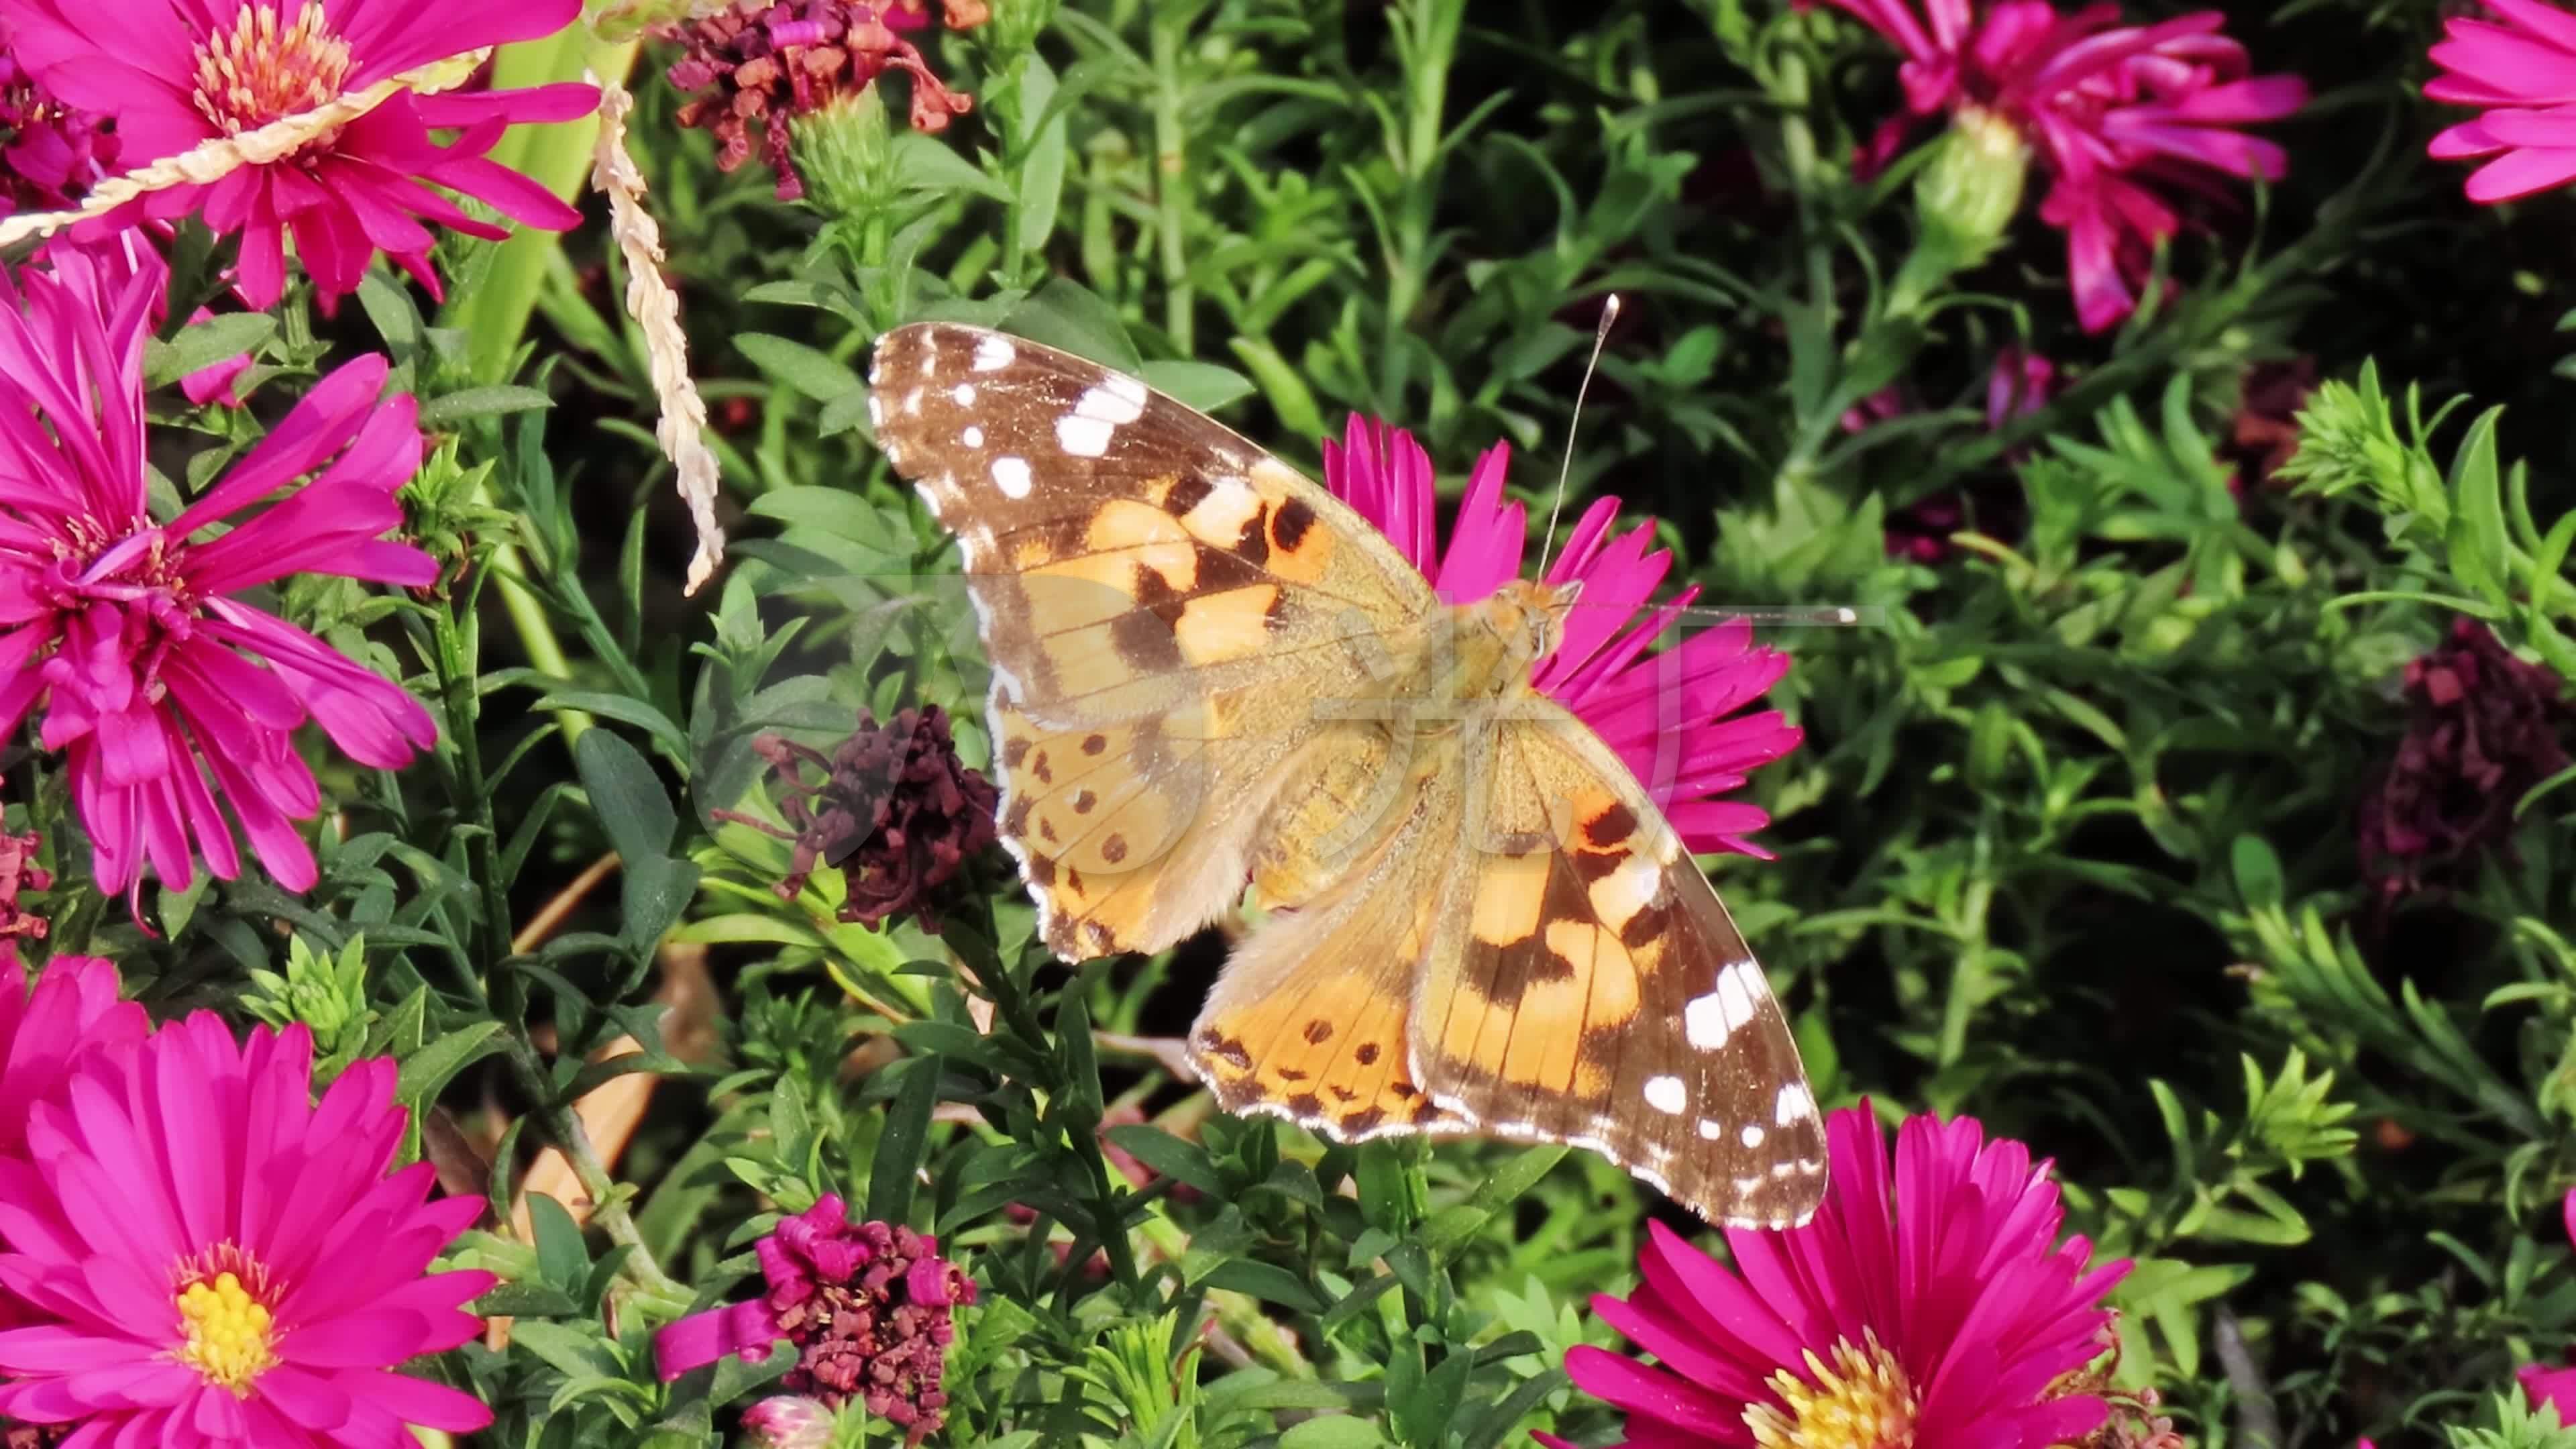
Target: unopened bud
[(845, 152), (788, 1421), (1972, 189)]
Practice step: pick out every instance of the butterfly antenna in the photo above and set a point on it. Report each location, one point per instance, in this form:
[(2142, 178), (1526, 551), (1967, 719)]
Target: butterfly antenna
[(1565, 471)]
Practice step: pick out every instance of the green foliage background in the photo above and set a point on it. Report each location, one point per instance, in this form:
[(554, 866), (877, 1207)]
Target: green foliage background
[(2069, 847)]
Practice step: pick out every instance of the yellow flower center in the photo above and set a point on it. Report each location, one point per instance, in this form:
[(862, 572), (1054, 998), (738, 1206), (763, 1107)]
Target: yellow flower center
[(263, 68), (232, 1339), (1860, 1401)]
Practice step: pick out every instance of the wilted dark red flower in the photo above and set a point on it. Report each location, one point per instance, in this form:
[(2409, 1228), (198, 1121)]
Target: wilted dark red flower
[(49, 152), (2486, 728), (868, 1306), (896, 812), (35, 1436), (19, 872), (768, 63), (2265, 431)]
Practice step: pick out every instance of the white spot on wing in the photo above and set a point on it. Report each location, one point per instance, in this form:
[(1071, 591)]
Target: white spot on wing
[(993, 352), (1084, 437), (1119, 400), (1666, 1094), (1710, 1129), (1621, 894), (1795, 1103), (973, 437), (876, 409), (1011, 475), (964, 393), (912, 401), (1704, 1022), (1752, 1134)]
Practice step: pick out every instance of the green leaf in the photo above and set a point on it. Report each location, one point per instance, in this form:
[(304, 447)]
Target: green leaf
[(198, 347), (1266, 1281), (425, 1071), (925, 163), (1065, 314), (1340, 1431), (2477, 543), (657, 891), (2258, 871), (480, 402), (619, 708), (390, 308), (1042, 167), (1170, 1156), (561, 1258), (1281, 385), (626, 795), (904, 1142), (808, 370), (574, 1351), (501, 1191), (1201, 385)]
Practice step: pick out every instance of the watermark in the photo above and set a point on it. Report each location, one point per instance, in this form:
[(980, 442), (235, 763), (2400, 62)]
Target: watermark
[(1130, 728)]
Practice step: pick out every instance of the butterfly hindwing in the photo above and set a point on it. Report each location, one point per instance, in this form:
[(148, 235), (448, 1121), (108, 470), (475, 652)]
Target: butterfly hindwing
[(1311, 1020), (1587, 986)]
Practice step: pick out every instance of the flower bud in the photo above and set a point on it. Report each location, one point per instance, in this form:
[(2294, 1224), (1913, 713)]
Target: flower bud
[(1972, 189), (845, 152), (788, 1421)]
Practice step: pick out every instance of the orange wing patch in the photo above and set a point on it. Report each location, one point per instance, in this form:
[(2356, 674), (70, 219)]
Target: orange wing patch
[(1328, 1053)]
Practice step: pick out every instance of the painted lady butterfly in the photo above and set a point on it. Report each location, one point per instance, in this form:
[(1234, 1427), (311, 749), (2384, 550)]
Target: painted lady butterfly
[(1207, 670)]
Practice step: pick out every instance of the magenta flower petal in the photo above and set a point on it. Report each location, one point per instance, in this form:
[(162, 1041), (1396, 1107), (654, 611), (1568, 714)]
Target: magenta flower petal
[(344, 198), (1933, 1300), (1655, 708), (167, 699), (2521, 69), (157, 1299)]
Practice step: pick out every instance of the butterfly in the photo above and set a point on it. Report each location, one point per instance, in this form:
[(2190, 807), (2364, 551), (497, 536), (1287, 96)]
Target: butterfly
[(1208, 673)]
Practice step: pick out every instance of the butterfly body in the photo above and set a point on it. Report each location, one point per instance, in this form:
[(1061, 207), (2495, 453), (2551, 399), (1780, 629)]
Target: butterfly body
[(1209, 672)]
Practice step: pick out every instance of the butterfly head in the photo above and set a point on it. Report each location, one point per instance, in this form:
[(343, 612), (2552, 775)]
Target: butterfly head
[(1518, 624)]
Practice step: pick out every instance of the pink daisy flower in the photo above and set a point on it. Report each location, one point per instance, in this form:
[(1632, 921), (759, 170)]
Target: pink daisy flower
[(2115, 113), (2555, 1386), (162, 692), (214, 1259), (2520, 68), (1640, 704), (73, 1010), (53, 151), (174, 73), (1932, 1307)]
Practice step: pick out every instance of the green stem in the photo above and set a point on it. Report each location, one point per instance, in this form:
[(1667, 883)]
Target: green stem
[(458, 672), (1172, 184), (1427, 39), (607, 1196)]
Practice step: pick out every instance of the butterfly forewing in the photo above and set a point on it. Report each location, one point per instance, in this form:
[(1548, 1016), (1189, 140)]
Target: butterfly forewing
[(1158, 599)]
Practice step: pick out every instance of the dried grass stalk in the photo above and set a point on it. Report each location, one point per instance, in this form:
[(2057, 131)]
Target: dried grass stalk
[(656, 310)]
